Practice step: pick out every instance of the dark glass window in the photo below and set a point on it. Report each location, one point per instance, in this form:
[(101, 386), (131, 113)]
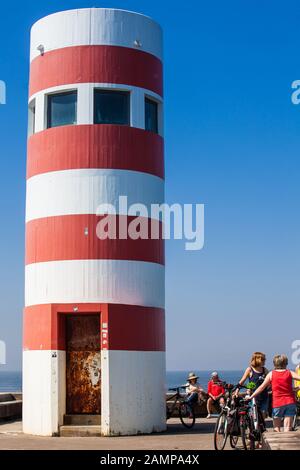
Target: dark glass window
[(151, 115), (111, 107), (62, 109)]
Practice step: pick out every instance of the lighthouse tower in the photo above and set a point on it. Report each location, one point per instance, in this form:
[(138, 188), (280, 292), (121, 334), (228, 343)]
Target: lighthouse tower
[(94, 321)]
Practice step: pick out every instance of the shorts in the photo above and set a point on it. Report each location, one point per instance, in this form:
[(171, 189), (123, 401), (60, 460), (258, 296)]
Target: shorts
[(286, 411), (218, 400), (263, 404)]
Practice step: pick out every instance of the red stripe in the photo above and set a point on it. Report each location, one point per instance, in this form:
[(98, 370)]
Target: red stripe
[(37, 333), (64, 238), (44, 325), (129, 328), (135, 328), (96, 64), (95, 146)]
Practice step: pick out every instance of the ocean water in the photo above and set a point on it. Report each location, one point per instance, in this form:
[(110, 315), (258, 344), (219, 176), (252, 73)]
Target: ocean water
[(12, 381), (176, 378)]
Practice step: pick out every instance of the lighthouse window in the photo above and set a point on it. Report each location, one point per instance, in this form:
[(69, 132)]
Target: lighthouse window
[(62, 109), (31, 119), (151, 115), (111, 107)]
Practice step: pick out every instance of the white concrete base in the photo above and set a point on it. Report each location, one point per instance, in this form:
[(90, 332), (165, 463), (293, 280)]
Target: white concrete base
[(133, 392), (44, 392)]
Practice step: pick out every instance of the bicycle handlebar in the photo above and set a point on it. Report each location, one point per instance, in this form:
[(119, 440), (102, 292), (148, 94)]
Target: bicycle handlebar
[(239, 386)]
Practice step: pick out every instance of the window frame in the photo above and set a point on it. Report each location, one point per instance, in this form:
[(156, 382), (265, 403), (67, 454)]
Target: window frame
[(110, 91), (152, 100), (48, 97)]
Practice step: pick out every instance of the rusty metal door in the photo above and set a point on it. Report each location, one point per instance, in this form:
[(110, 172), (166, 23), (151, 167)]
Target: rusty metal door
[(83, 365)]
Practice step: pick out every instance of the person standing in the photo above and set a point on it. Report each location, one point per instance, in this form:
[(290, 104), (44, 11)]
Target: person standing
[(284, 402), (256, 373)]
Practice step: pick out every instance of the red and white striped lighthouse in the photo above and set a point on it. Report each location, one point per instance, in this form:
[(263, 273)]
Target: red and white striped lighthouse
[(94, 321)]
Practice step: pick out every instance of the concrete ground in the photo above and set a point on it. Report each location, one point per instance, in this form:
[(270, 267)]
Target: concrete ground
[(176, 438), (282, 441)]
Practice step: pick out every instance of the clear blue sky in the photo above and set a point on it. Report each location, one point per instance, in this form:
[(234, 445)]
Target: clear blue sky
[(232, 143)]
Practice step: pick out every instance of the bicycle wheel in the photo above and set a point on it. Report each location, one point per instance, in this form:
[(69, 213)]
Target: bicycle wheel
[(247, 433), (187, 415), (233, 441), (221, 432)]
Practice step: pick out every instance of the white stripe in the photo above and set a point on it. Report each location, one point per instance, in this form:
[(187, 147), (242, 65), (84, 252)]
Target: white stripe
[(96, 26), (91, 86), (85, 103), (72, 192), (95, 281), (141, 407)]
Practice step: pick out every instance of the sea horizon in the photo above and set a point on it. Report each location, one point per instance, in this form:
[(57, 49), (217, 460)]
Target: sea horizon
[(11, 381)]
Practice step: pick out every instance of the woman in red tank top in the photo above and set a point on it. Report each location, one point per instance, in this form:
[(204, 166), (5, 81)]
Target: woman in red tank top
[(284, 403)]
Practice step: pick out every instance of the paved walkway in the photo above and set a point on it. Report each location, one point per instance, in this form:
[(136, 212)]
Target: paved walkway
[(282, 440), (176, 438)]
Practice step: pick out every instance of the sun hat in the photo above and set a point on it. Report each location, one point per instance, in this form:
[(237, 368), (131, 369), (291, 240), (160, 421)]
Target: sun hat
[(215, 374), (192, 376)]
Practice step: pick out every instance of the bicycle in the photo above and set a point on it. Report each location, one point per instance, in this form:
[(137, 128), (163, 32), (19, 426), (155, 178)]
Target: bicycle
[(239, 418), (222, 427), (252, 426), (186, 412), (252, 422)]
